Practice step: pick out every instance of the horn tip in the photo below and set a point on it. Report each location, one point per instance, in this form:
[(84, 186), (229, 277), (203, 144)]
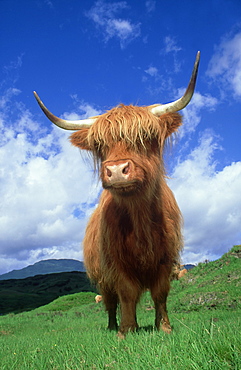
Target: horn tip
[(37, 97)]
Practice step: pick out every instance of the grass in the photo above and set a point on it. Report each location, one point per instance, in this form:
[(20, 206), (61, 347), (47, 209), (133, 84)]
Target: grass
[(78, 339), (70, 332)]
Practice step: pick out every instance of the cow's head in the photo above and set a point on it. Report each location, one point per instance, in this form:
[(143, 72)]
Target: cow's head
[(128, 140)]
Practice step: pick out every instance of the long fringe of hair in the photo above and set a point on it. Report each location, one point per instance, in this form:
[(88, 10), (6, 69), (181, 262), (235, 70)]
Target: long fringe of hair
[(132, 124)]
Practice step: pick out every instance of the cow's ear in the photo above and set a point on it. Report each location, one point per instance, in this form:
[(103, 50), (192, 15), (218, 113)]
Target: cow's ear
[(172, 121), (80, 139)]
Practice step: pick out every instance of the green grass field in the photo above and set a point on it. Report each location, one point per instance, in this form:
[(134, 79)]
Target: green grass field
[(70, 333)]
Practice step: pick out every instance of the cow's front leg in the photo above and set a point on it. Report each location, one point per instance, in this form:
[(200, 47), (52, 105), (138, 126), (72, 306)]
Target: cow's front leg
[(128, 297)]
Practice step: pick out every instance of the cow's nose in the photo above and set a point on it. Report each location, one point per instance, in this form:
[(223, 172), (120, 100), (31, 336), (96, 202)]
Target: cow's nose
[(118, 172)]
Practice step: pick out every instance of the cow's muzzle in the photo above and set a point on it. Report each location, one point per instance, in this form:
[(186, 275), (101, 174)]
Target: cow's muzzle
[(120, 176), (117, 173)]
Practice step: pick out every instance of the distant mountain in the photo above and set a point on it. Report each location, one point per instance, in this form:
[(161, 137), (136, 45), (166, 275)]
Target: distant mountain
[(45, 267), (189, 266)]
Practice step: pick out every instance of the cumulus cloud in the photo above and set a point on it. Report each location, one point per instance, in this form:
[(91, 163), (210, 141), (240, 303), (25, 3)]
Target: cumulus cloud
[(192, 113), (47, 192), (104, 15), (225, 65), (209, 200)]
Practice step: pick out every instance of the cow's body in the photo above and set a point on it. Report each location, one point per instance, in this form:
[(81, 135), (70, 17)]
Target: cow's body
[(127, 251), (133, 238)]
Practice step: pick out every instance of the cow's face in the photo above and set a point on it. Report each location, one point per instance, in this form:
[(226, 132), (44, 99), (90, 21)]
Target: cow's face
[(128, 142)]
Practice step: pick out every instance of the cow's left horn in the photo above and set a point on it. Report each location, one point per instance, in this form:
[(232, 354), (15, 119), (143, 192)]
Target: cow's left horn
[(181, 103), (62, 123)]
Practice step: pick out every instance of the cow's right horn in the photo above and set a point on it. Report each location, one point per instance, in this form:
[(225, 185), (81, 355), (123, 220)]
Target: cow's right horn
[(159, 109), (62, 123)]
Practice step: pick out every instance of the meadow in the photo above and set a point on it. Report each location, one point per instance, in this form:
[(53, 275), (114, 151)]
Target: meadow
[(70, 332)]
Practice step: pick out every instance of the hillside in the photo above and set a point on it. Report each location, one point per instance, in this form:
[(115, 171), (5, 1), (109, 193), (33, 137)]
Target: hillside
[(211, 285), (45, 267), (18, 295)]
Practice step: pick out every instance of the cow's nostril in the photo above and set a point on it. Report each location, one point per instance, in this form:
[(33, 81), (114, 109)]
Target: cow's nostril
[(125, 169), (108, 172)]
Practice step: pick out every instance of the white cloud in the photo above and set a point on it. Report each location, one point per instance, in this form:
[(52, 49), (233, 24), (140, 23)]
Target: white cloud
[(46, 193), (152, 71), (171, 48), (8, 96), (85, 110), (171, 45), (105, 18), (192, 113), (225, 66), (14, 64), (210, 201)]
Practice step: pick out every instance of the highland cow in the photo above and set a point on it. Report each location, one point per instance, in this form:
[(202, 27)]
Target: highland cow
[(133, 239)]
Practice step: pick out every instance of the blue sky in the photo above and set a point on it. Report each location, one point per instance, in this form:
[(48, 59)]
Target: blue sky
[(84, 57)]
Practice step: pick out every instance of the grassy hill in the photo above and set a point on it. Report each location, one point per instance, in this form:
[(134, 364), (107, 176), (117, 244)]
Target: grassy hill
[(210, 285), (70, 332)]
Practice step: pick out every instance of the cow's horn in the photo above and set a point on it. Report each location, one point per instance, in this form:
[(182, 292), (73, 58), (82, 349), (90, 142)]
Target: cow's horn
[(62, 123), (181, 103)]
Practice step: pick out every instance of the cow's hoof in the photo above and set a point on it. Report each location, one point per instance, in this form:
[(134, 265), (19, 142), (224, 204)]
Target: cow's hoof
[(166, 328), (120, 335)]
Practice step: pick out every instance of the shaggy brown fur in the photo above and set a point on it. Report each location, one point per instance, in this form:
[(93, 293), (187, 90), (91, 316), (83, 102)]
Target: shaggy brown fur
[(133, 238), (134, 126)]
